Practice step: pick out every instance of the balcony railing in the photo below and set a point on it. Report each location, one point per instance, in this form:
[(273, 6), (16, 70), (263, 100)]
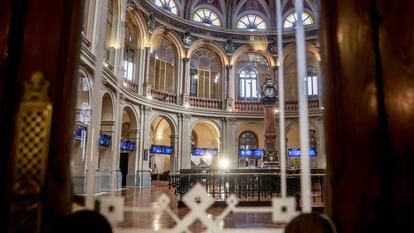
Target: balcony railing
[(164, 96), (242, 105), (249, 185), (294, 106), (130, 85), (198, 102)]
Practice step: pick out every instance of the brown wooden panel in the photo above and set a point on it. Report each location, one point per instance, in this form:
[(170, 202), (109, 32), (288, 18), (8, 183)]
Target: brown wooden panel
[(48, 42), (368, 63), (396, 47)]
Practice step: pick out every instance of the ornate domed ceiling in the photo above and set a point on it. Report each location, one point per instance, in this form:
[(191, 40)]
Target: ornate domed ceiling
[(241, 21), (238, 15)]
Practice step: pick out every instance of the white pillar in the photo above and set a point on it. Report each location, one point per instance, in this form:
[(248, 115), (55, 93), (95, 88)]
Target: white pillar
[(186, 81), (173, 157), (120, 42), (96, 105), (146, 85), (185, 156), (229, 134), (321, 144), (230, 70)]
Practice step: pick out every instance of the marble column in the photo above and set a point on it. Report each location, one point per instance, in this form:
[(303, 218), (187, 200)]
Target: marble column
[(230, 142), (143, 176), (230, 70), (185, 157), (133, 160), (173, 157), (146, 85), (321, 143), (186, 82)]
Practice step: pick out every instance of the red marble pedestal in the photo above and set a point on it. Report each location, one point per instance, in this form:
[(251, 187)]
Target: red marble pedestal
[(270, 135)]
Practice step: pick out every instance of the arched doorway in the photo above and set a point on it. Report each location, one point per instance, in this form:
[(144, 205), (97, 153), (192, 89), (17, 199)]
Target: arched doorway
[(106, 157), (250, 137), (128, 145), (204, 145), (162, 149)]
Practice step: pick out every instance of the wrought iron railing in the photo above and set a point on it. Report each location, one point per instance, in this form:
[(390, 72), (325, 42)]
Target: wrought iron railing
[(249, 185)]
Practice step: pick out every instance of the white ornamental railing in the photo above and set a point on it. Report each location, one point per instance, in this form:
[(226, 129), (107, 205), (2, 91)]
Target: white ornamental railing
[(198, 201)]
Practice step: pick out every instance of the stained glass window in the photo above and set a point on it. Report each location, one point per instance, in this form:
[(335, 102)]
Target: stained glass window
[(207, 16), (251, 22), (168, 5), (291, 20)]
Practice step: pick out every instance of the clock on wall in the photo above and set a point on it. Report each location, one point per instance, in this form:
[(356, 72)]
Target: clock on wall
[(269, 92)]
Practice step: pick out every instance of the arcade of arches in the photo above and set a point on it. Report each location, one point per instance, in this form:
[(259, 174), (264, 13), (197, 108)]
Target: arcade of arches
[(177, 99)]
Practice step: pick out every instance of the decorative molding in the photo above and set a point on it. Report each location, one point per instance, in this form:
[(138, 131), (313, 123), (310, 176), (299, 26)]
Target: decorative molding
[(186, 116), (33, 123)]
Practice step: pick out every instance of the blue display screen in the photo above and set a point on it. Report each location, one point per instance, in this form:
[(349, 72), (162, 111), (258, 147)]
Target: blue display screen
[(295, 152), (258, 153), (204, 151), (158, 149), (105, 140), (252, 153), (127, 145), (78, 132), (197, 152)]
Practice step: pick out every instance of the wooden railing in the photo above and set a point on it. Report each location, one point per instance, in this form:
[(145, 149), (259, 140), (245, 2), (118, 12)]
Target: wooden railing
[(130, 85), (164, 96), (205, 103), (242, 105), (249, 185)]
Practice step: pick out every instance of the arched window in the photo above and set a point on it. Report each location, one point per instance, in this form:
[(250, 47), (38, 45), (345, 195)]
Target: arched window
[(205, 71), (251, 22), (168, 5), (248, 140), (248, 83), (207, 16), (291, 20), (162, 65)]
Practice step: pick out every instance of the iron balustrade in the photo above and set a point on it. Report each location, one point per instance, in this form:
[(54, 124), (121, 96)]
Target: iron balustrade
[(249, 185)]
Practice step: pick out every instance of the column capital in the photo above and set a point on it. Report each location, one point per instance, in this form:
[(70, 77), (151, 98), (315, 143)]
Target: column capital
[(186, 116), (229, 66), (185, 59)]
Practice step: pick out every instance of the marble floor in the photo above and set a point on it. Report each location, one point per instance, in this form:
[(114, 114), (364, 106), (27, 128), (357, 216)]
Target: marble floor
[(146, 199)]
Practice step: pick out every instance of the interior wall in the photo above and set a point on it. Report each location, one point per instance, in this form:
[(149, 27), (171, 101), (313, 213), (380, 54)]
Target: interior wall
[(206, 135)]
